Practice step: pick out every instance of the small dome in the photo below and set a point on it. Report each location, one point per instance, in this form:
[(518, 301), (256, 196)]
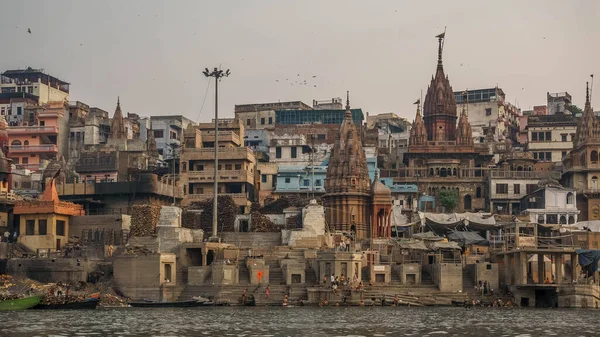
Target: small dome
[(379, 188)]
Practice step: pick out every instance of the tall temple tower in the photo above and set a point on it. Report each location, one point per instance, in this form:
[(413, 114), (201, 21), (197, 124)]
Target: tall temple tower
[(582, 164), (439, 109), (347, 185), (117, 125)]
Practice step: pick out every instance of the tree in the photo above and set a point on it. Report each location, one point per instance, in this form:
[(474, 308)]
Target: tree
[(448, 199)]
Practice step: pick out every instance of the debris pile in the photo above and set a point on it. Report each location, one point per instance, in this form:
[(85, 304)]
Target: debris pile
[(138, 249), (144, 219), (260, 223)]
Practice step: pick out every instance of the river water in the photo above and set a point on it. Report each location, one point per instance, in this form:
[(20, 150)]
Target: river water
[(302, 321)]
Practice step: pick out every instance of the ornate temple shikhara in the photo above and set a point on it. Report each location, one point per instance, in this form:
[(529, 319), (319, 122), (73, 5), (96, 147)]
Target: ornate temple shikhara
[(441, 153), (352, 203)]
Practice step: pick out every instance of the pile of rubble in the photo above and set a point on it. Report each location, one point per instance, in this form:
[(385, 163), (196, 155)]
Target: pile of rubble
[(138, 249), (144, 219)]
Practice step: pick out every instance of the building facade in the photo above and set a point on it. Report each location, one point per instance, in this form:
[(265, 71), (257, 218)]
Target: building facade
[(45, 87)]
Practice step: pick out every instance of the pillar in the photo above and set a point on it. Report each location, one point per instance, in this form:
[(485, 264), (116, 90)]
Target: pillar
[(558, 267), (541, 276), (204, 259)]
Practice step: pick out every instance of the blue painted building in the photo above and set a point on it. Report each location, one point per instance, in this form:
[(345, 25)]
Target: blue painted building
[(299, 179)]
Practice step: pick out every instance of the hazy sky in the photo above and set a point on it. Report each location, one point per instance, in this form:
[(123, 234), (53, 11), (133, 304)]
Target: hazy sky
[(151, 53)]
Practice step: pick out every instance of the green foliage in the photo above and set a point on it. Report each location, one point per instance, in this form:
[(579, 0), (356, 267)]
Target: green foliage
[(448, 199)]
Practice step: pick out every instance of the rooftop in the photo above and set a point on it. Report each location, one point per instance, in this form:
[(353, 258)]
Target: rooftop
[(28, 72)]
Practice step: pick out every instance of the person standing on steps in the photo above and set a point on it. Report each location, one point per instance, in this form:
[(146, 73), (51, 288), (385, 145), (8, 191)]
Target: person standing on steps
[(268, 292)]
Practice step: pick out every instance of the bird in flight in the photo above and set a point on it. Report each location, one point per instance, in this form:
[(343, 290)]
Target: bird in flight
[(29, 30)]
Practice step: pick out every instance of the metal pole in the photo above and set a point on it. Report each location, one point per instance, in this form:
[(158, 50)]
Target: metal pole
[(173, 154), (216, 173)]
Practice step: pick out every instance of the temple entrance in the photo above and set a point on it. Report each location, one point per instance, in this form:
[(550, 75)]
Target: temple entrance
[(467, 202)]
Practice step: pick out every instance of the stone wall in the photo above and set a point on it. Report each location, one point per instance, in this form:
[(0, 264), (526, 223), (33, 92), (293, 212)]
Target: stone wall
[(51, 270), (447, 276), (485, 272), (252, 240), (114, 222)]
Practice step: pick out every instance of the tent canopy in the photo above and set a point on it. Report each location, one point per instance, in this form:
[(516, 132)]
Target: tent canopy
[(468, 238)]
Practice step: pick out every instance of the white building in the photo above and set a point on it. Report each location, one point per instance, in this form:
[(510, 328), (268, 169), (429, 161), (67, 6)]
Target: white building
[(168, 132), (551, 205)]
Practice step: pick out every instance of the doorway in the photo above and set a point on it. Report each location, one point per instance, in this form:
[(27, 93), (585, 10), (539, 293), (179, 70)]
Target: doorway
[(467, 202)]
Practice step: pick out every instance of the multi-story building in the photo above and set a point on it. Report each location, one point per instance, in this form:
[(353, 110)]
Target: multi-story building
[(559, 103), (514, 178), (12, 107), (551, 205), (42, 136), (488, 108), (582, 164), (296, 179), (168, 132), (34, 81), (262, 115), (237, 173), (550, 137), (392, 133)]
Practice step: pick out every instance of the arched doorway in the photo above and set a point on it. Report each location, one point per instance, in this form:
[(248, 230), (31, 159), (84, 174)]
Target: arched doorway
[(467, 202)]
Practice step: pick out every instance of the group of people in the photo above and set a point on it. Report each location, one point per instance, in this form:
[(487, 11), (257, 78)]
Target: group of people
[(345, 245), (484, 288), (336, 282), (8, 237)]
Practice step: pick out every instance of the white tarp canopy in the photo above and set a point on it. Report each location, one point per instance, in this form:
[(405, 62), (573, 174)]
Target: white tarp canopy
[(454, 218)]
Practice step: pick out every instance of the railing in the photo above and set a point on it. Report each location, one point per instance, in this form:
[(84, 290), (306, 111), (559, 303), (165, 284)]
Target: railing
[(208, 136), (525, 174), (31, 129), (96, 167), (224, 175), (205, 196), (32, 148)]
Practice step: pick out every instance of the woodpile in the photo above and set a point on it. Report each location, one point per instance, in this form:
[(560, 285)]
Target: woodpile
[(260, 223), (277, 206), (144, 219), (226, 216)]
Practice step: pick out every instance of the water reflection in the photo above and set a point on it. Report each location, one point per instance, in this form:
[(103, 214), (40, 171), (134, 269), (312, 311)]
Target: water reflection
[(301, 321)]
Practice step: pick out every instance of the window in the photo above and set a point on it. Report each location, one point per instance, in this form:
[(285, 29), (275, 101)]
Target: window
[(594, 157), (294, 152), (25, 160), (228, 167), (159, 133), (306, 182), (318, 182), (270, 120), (548, 136), (19, 111), (530, 188), (15, 161), (478, 192), (238, 166), (563, 154), (264, 178), (29, 227), (30, 90), (563, 137), (199, 167), (517, 189), (173, 135), (248, 121), (262, 121), (502, 188), (26, 142), (570, 198), (287, 180), (60, 228), (534, 137), (549, 156), (277, 152), (42, 227), (42, 123), (535, 155), (488, 111)]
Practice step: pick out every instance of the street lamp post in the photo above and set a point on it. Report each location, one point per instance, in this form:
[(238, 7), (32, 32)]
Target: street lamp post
[(217, 74)]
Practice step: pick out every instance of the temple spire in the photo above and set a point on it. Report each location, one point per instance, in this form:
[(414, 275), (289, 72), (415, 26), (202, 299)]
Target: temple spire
[(587, 93), (348, 113), (440, 47)]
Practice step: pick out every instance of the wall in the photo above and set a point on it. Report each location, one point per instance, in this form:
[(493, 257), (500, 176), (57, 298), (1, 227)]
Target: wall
[(481, 272), (51, 270), (448, 276), (114, 222), (140, 277), (47, 241)]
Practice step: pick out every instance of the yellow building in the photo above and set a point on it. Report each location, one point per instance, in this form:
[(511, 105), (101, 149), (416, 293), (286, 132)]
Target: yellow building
[(44, 223)]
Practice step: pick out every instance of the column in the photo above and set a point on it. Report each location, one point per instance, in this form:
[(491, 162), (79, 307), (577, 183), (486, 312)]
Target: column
[(541, 276), (558, 267), (204, 259)]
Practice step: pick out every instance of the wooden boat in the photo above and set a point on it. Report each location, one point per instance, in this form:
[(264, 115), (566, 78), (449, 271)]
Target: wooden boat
[(156, 304), (20, 303), (90, 303)]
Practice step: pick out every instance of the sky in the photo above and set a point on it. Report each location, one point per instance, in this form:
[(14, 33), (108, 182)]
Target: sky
[(152, 53)]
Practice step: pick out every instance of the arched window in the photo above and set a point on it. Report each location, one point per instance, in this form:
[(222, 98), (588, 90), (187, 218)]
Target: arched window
[(431, 172), (571, 219), (443, 172), (478, 192), (454, 172), (563, 220), (519, 168), (594, 183), (570, 198), (594, 157), (437, 171), (16, 143), (541, 219), (26, 142)]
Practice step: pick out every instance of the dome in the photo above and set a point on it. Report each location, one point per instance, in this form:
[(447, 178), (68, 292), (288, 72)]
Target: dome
[(379, 188)]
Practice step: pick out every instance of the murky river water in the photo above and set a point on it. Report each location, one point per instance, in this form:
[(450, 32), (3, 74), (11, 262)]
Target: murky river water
[(302, 321)]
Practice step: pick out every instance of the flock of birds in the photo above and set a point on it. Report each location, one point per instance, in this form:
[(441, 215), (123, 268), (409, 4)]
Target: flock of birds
[(298, 81)]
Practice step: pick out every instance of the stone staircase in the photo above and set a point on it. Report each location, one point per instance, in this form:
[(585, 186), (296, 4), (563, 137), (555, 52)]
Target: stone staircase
[(365, 275), (468, 283), (395, 277)]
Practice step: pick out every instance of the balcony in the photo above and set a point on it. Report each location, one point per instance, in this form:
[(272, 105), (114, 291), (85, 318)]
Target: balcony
[(175, 124), (32, 130), (224, 176), (23, 149)]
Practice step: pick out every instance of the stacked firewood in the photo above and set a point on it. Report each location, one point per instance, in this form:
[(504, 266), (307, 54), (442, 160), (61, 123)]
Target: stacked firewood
[(144, 219), (227, 211), (260, 223)]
